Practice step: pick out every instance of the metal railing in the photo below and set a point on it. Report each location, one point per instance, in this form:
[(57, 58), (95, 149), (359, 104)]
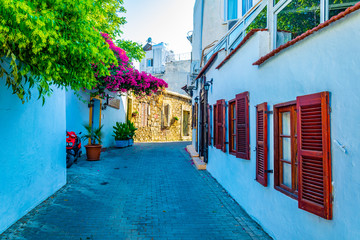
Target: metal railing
[(178, 57), (234, 36)]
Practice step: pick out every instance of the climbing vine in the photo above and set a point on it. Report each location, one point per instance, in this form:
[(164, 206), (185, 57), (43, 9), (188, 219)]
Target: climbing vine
[(47, 44)]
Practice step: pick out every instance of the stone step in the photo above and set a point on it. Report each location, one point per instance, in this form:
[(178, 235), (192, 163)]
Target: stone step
[(200, 164), (191, 150)]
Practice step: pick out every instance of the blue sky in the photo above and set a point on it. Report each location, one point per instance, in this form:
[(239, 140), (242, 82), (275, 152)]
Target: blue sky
[(166, 21)]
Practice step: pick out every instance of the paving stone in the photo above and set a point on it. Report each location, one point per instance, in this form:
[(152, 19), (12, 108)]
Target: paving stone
[(152, 191)]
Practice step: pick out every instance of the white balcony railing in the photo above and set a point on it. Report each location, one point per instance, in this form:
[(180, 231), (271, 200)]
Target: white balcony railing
[(234, 36), (178, 57)]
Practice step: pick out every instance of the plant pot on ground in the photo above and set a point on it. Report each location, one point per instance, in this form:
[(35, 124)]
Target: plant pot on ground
[(132, 130), (121, 134), (93, 150)]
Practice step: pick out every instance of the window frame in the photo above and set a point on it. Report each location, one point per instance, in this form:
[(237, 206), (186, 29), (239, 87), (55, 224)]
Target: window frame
[(278, 109), (214, 142), (226, 11), (232, 126), (151, 61)]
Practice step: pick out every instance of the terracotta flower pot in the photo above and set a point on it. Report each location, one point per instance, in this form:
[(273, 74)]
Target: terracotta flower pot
[(93, 152)]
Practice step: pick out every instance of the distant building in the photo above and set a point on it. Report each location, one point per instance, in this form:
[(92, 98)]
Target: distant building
[(164, 117)]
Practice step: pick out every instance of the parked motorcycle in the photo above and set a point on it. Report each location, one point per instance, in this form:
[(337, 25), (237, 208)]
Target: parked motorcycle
[(73, 148)]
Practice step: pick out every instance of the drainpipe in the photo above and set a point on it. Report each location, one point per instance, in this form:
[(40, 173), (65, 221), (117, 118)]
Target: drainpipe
[(202, 26)]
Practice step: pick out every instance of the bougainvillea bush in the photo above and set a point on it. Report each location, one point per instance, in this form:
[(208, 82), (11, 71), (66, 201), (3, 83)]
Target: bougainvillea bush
[(124, 78)]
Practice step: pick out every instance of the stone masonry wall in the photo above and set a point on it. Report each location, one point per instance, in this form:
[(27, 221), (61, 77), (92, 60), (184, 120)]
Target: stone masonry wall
[(151, 119)]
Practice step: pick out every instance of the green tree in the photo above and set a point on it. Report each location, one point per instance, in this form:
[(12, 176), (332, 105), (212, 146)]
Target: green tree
[(53, 43), (133, 50)]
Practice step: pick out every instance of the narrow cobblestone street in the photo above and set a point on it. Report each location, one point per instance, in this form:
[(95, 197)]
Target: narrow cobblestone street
[(148, 191)]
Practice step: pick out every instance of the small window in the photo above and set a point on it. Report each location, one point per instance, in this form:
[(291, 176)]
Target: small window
[(144, 114), (167, 115), (232, 127), (150, 62), (246, 5), (186, 123), (231, 9), (286, 162), (214, 125), (302, 160)]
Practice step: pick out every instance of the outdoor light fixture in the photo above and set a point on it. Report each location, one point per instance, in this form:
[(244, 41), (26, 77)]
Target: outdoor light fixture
[(196, 99), (91, 103), (206, 86), (105, 104)]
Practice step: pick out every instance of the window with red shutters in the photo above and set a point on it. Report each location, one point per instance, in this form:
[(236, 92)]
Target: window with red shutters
[(261, 143), (221, 128), (208, 124), (232, 127), (215, 125), (285, 149), (195, 117), (315, 193), (242, 126)]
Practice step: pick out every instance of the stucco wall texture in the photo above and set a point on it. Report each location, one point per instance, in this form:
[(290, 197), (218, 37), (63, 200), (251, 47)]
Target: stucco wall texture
[(176, 75), (32, 160), (326, 61), (77, 114)]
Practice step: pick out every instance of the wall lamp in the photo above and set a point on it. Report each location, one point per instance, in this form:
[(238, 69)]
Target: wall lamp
[(104, 106), (91, 103), (208, 84)]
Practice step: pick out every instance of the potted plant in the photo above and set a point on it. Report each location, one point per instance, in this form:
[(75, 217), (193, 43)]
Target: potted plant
[(121, 134), (93, 149), (134, 114), (132, 130)]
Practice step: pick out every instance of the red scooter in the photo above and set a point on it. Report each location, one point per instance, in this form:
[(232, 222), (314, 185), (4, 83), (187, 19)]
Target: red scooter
[(73, 148)]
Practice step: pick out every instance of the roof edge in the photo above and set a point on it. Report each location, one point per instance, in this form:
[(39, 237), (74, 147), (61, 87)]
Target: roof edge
[(307, 33), (246, 38), (211, 60)]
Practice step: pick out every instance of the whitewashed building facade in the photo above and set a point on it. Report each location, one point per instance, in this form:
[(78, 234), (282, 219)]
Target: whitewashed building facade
[(274, 99)]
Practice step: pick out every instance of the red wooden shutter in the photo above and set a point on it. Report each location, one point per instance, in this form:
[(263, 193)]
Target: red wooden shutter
[(261, 143), (193, 116), (196, 116), (215, 125), (208, 122), (242, 126), (314, 154), (221, 133)]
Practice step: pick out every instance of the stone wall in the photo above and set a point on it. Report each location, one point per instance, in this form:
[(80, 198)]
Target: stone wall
[(156, 118)]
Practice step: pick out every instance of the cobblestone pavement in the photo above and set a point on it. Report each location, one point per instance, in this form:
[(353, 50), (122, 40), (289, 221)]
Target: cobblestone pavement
[(148, 191)]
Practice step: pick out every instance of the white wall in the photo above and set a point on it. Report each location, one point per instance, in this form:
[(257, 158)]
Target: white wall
[(176, 73), (214, 27), (326, 61), (32, 158), (77, 114)]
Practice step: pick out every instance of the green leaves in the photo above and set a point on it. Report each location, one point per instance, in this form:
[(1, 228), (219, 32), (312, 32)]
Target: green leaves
[(95, 134), (133, 50), (57, 41)]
